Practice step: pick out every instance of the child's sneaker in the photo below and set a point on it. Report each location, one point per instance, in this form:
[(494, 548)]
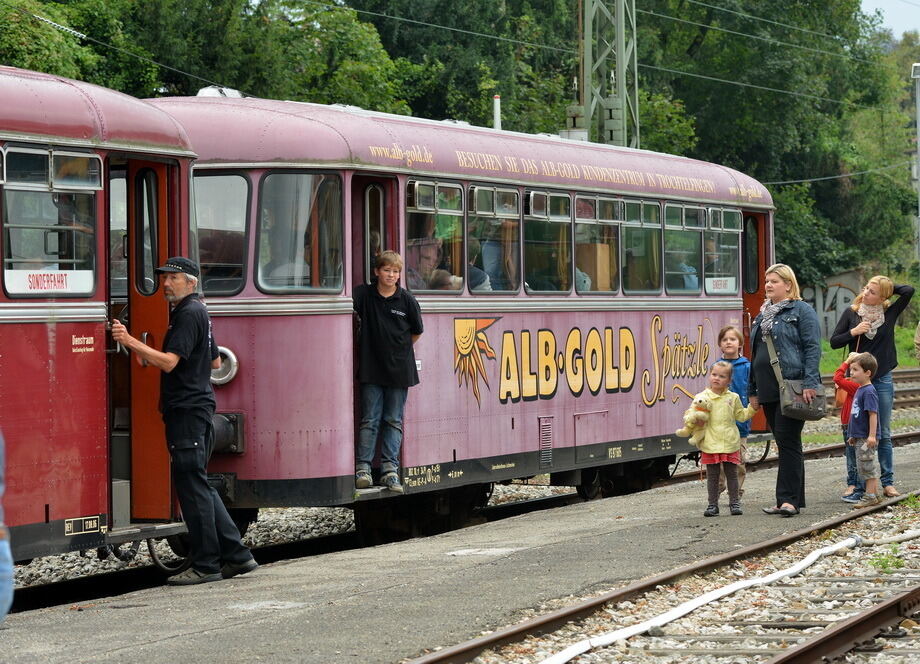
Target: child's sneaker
[(391, 482), (735, 509), (852, 498), (868, 500), (362, 479), (712, 510)]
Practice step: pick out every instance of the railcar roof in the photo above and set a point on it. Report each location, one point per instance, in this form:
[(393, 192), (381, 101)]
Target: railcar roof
[(58, 110), (269, 132)]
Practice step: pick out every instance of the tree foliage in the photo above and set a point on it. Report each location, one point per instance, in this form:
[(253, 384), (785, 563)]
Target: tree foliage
[(712, 82)]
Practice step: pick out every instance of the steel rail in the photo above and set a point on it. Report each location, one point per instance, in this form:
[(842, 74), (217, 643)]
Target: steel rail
[(468, 650), (848, 634)]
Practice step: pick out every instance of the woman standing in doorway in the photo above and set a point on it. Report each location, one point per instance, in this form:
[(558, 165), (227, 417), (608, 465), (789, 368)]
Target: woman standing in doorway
[(793, 327), (868, 326)]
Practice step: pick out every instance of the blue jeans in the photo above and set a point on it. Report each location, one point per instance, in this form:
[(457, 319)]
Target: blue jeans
[(884, 385), (852, 474), (6, 577), (492, 262), (381, 413)]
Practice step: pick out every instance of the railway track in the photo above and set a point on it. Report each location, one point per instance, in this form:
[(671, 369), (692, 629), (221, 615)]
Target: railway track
[(745, 609)]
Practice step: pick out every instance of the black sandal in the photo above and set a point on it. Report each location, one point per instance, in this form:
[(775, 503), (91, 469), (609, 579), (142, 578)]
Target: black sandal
[(772, 510)]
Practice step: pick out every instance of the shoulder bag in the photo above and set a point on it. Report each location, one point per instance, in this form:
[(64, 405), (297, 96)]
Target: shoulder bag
[(791, 402)]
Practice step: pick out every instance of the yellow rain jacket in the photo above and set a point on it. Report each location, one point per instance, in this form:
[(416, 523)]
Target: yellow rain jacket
[(721, 433)]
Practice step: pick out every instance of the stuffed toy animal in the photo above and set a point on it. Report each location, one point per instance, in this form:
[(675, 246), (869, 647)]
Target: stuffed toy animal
[(695, 418)]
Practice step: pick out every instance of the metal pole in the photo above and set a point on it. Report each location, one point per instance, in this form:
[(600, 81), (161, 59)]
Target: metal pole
[(915, 74)]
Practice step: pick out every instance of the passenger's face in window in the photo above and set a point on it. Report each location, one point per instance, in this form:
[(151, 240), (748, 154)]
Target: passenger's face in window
[(427, 259)]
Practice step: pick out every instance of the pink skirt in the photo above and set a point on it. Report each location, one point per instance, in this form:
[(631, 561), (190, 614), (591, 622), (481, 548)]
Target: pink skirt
[(706, 458)]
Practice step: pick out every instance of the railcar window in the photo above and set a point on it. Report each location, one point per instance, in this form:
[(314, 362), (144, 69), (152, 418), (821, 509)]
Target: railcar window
[(27, 167), (694, 217), (118, 234), (651, 214), (596, 254), (641, 260), (493, 241), (76, 171), (221, 207), (633, 212), (536, 204), (146, 221), (300, 233), (434, 241), (715, 218), (721, 263), (751, 255), (48, 242), (547, 248), (610, 210), (731, 220), (682, 261), (673, 216)]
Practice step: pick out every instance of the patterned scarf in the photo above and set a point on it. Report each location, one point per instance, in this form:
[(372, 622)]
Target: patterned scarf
[(769, 311), (874, 314)]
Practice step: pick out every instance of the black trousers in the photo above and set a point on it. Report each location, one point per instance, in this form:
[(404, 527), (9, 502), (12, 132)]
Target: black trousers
[(213, 537), (790, 477)]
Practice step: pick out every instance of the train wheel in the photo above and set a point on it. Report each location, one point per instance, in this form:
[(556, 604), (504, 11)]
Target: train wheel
[(167, 564)]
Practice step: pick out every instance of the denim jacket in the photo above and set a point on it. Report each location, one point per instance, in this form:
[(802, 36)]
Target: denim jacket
[(797, 338)]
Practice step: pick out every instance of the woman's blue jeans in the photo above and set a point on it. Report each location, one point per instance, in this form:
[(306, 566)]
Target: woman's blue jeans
[(381, 413), (884, 385)]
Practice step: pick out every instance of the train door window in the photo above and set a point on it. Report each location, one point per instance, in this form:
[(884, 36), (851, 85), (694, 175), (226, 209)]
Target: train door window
[(434, 237), (374, 227), (492, 243), (721, 262), (751, 255), (49, 223), (682, 261), (301, 240), (118, 234), (221, 209), (146, 222), (547, 246), (596, 247)]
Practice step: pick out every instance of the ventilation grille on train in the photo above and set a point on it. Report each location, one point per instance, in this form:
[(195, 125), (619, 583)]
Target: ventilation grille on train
[(546, 442)]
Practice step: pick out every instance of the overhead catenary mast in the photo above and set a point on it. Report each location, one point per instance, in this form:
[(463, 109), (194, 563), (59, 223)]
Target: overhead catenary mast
[(607, 85)]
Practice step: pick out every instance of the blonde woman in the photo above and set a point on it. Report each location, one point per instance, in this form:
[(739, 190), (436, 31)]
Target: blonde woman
[(793, 326), (868, 327)]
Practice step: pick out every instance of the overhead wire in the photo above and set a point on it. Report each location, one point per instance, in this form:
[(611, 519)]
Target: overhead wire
[(845, 175), (765, 20), (506, 39), (80, 35), (770, 40)]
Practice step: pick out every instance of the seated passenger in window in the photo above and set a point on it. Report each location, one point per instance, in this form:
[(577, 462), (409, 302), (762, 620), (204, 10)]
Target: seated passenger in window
[(444, 280), (422, 257), (582, 281), (713, 259), (479, 280), (295, 272)]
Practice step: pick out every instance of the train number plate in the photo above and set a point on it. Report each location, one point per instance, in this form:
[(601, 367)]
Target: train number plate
[(82, 525)]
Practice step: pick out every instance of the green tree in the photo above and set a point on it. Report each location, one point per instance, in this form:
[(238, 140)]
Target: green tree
[(29, 43)]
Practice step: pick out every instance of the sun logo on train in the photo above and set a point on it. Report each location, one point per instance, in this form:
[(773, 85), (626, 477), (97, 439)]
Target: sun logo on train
[(470, 345)]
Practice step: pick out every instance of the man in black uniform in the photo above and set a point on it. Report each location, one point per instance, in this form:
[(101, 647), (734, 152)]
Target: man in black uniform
[(187, 404)]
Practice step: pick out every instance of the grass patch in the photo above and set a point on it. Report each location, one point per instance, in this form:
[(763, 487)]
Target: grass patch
[(887, 562)]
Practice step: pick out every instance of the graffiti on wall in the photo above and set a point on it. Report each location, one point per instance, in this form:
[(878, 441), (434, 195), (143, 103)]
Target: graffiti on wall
[(830, 303)]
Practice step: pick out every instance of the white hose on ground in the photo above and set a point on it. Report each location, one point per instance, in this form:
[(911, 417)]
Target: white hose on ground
[(685, 608)]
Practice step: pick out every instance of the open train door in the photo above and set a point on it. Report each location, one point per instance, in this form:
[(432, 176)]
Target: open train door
[(755, 241), (148, 213)]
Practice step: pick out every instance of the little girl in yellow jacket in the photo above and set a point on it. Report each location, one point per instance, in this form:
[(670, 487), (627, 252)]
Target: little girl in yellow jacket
[(721, 444)]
